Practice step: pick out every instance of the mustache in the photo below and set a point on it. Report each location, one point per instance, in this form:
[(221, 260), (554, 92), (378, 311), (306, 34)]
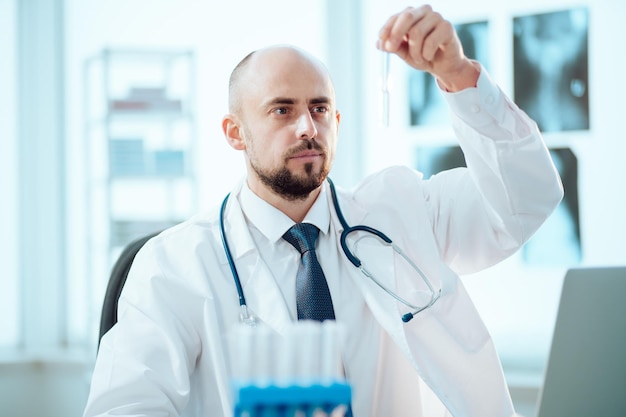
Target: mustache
[(306, 145)]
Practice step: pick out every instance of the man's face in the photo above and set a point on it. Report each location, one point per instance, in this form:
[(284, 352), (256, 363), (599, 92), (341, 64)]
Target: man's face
[(288, 123)]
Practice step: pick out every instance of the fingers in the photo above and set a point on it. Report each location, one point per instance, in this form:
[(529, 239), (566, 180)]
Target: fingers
[(393, 33), (428, 36), (416, 35)]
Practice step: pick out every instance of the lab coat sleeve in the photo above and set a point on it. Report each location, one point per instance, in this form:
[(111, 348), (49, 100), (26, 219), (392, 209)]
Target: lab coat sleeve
[(145, 361), (486, 212)]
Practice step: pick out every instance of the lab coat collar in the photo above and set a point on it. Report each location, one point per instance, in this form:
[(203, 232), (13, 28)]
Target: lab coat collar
[(235, 226), (263, 296), (272, 223), (382, 306)]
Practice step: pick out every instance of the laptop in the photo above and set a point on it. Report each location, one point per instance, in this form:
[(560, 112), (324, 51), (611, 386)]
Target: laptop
[(586, 371)]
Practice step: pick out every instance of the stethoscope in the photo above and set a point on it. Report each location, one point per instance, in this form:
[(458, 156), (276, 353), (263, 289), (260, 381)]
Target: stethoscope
[(245, 316)]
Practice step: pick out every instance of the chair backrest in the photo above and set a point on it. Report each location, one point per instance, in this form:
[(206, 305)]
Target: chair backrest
[(116, 282)]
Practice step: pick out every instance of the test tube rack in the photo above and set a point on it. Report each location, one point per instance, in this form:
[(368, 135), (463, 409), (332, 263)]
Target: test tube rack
[(294, 374)]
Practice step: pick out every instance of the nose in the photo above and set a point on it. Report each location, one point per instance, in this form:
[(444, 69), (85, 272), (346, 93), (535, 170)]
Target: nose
[(306, 127)]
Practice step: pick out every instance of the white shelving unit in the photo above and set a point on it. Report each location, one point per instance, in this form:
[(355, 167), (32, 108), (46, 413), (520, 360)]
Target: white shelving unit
[(140, 138)]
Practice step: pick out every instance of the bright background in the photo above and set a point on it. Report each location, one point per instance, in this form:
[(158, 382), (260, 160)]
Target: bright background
[(48, 296)]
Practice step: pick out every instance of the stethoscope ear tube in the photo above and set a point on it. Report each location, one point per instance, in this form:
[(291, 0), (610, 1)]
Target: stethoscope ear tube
[(229, 257), (333, 195), (347, 229)]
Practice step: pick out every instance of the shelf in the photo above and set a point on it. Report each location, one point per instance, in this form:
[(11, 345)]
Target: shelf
[(140, 142)]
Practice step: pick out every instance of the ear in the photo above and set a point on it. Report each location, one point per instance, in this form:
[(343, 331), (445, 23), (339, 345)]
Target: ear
[(338, 117), (232, 132)]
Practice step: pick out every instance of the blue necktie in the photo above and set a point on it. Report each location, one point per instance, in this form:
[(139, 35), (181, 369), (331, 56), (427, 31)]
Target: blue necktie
[(312, 295)]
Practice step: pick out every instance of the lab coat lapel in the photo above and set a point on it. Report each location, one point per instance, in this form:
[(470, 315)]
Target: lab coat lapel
[(439, 339), (263, 296), (372, 254)]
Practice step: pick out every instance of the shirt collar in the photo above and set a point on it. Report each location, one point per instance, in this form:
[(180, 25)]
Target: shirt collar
[(273, 223)]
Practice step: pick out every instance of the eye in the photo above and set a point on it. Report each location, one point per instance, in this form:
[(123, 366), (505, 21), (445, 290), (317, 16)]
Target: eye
[(319, 109), (280, 110)]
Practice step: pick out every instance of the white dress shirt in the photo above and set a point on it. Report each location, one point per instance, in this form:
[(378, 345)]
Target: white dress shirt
[(267, 225)]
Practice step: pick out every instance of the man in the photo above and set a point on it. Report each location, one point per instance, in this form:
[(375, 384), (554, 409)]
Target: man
[(168, 353)]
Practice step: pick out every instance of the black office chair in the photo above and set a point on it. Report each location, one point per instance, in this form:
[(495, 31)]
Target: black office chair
[(116, 283)]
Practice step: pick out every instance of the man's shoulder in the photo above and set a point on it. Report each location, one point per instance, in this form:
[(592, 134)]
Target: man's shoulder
[(392, 179), (392, 186), (198, 228)]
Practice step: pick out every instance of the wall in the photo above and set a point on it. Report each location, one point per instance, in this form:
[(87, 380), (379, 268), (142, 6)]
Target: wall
[(8, 173)]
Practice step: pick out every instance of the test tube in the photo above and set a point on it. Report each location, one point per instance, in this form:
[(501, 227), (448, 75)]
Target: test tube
[(262, 361), (286, 358), (330, 369), (384, 89), (308, 333), (243, 346)]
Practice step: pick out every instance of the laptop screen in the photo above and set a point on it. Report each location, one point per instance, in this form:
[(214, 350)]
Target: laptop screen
[(586, 371)]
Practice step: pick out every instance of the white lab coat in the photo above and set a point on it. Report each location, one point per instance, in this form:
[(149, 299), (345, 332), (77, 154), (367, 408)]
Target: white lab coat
[(169, 353)]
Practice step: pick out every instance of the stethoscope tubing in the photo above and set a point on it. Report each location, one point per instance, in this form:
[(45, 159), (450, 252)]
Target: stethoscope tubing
[(357, 262), (346, 250), (229, 257)]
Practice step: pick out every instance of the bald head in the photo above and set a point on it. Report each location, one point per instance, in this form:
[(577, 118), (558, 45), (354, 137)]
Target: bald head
[(267, 62)]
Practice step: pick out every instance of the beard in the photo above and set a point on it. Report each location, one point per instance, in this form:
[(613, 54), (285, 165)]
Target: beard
[(293, 186)]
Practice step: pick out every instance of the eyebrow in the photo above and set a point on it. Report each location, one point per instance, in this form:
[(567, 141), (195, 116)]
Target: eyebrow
[(287, 100)]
